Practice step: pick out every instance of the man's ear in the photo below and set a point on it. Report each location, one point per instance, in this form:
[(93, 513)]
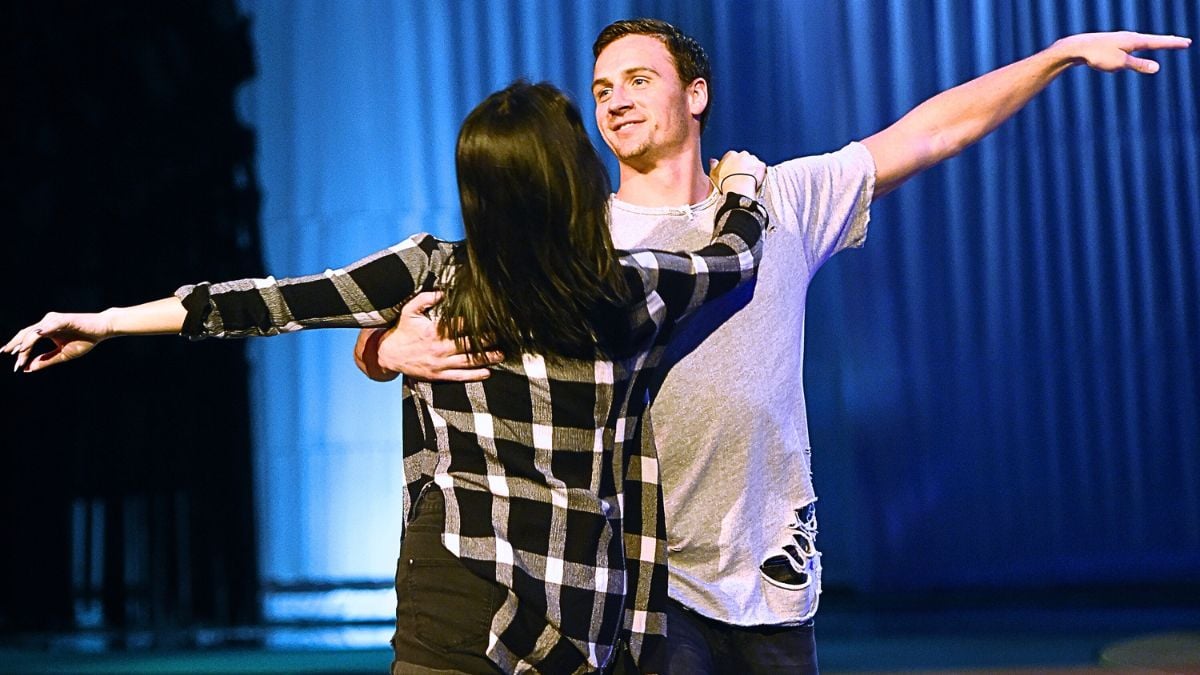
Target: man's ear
[(697, 95)]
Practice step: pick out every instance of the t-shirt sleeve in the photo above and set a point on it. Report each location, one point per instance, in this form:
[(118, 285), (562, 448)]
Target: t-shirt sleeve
[(827, 198), (669, 286), (362, 294)]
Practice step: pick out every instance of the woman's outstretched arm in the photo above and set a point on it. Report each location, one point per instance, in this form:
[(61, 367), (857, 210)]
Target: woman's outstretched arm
[(74, 335), (365, 293)]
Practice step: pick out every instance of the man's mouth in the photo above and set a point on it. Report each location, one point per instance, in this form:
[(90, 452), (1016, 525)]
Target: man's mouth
[(617, 128)]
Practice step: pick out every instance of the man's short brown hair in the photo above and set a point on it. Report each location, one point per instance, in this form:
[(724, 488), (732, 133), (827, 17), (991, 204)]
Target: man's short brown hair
[(690, 60)]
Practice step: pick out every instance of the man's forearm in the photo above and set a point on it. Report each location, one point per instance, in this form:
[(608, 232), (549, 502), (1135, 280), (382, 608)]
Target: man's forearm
[(948, 123), (945, 125), (366, 355)]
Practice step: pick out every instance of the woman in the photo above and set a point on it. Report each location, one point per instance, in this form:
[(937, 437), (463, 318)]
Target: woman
[(534, 534)]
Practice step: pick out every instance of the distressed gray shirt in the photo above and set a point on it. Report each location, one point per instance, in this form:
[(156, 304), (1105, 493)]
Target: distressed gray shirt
[(729, 420)]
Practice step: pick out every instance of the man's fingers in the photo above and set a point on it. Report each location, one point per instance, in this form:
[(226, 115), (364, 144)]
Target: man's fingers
[(445, 348), (456, 360), (486, 358), (464, 375), (421, 302), (481, 360), (1145, 66), (448, 350), (1145, 41), (1113, 52)]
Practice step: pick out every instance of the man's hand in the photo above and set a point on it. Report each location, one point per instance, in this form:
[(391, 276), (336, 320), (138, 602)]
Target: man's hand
[(1110, 52), (413, 347)]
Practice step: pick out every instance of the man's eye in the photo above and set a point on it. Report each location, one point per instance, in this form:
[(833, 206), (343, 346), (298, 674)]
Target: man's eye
[(603, 94), (640, 81)]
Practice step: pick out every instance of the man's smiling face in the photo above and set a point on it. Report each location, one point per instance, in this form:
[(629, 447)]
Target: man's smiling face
[(643, 111)]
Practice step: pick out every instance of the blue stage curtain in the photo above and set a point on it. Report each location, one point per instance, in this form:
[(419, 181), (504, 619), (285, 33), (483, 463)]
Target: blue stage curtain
[(1001, 385)]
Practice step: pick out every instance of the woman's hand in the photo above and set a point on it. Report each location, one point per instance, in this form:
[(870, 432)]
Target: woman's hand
[(73, 336), (738, 171)]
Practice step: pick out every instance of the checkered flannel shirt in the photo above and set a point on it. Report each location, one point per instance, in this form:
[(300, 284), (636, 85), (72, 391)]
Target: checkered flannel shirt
[(549, 477)]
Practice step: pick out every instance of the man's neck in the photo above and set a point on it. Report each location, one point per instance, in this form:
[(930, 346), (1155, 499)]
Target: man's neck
[(672, 181)]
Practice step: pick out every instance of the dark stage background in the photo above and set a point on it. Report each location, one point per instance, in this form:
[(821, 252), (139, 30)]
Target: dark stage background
[(1001, 386), (125, 479)]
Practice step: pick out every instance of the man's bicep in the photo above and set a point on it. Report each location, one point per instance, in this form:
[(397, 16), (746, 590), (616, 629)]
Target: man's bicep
[(898, 156)]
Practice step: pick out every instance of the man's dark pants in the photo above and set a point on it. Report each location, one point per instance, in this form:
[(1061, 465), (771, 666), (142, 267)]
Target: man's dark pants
[(698, 645)]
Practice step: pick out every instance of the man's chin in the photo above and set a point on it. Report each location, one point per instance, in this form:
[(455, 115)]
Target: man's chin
[(632, 154)]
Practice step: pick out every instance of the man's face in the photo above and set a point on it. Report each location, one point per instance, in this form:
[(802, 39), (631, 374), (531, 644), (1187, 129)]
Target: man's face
[(642, 109)]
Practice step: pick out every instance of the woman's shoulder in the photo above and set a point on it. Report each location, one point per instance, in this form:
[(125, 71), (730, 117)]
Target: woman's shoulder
[(429, 243), (441, 252)]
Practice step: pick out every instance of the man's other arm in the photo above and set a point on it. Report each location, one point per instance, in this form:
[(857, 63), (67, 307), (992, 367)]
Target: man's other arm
[(948, 123)]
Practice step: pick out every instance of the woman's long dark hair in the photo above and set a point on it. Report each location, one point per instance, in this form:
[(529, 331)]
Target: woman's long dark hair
[(539, 265)]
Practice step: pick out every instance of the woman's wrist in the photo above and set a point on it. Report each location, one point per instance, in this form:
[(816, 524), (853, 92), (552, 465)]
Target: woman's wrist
[(160, 317), (108, 322), (743, 184)]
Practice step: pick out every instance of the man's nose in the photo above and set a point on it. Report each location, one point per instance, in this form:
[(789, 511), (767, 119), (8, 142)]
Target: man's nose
[(618, 101)]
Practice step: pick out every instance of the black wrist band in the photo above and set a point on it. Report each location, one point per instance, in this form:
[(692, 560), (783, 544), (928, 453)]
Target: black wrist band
[(721, 185)]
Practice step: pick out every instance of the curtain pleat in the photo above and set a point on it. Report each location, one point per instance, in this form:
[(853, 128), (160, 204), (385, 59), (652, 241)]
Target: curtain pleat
[(1002, 385)]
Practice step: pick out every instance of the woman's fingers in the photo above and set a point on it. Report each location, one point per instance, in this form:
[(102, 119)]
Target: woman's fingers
[(60, 354), (45, 360), (22, 356), (70, 337), (26, 337), (11, 345), (21, 344)]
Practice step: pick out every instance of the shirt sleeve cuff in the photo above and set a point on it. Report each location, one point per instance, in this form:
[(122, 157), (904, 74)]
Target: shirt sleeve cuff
[(195, 298)]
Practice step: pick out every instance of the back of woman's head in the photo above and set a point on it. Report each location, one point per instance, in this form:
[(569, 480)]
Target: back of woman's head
[(539, 259)]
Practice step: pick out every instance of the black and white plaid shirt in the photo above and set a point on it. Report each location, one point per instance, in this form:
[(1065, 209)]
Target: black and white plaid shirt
[(549, 478)]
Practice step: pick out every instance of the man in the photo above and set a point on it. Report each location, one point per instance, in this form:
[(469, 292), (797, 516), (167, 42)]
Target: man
[(729, 418)]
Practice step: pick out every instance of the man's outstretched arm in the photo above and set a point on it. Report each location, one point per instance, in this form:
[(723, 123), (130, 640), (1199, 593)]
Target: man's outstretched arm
[(948, 123), (414, 348)]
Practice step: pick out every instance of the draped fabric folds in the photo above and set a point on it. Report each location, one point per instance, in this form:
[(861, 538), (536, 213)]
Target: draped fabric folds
[(1002, 385)]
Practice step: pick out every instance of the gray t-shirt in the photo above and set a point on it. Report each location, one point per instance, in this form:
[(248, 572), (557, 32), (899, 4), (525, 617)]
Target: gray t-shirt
[(729, 419)]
